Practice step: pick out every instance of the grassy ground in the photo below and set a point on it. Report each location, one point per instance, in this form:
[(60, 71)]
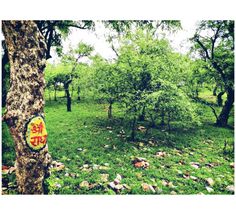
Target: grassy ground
[(92, 149)]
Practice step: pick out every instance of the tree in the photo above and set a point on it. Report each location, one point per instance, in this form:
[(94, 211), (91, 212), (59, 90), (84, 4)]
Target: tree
[(72, 58), (167, 100), (214, 40), (106, 81), (26, 52)]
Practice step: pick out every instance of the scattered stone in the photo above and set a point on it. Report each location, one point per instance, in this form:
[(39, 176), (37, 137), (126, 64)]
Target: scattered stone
[(79, 149), (161, 154), (112, 185), (196, 165), (142, 129), (140, 163), (210, 181), (104, 168), (193, 178), (168, 184), (232, 165), (151, 142), (147, 187), (127, 187), (57, 166), (118, 187), (104, 177), (230, 188), (58, 185), (140, 144), (109, 128), (173, 193), (210, 190), (200, 193), (84, 184)]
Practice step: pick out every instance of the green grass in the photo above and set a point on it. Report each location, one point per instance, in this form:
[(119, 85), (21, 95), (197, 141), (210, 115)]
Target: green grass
[(85, 128)]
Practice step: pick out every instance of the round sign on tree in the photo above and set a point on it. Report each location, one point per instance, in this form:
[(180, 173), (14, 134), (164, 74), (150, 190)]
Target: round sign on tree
[(36, 133)]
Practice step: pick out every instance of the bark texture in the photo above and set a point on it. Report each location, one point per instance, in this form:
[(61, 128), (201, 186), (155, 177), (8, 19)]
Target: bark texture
[(26, 52)]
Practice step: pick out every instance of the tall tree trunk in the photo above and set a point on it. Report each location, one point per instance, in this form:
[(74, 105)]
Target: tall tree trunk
[(214, 90), (68, 97), (142, 116), (162, 118), (26, 52), (222, 119), (219, 98), (110, 111), (55, 93)]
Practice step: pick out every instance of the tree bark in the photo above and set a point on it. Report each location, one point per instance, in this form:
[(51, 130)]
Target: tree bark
[(219, 98), (110, 111), (55, 92), (26, 52), (68, 97), (214, 90), (222, 119), (142, 115)]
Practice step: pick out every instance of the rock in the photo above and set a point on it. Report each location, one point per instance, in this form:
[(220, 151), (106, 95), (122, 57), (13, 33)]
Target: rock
[(200, 193), (118, 176), (161, 154), (152, 189), (84, 184), (58, 166), (58, 185), (127, 187), (112, 185), (210, 181), (210, 190), (193, 178), (145, 186), (118, 187), (196, 165), (103, 168), (164, 183), (142, 128), (230, 188), (79, 149), (141, 144), (116, 181), (232, 165), (140, 162), (173, 193), (104, 177)]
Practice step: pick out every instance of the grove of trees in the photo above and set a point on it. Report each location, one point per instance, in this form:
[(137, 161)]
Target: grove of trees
[(148, 80)]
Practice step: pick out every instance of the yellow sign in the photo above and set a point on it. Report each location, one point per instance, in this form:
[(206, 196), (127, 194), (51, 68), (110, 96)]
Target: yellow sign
[(36, 134)]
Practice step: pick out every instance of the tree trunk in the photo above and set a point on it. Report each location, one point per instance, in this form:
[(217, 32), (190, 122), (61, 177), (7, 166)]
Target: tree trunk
[(219, 98), (55, 93), (78, 91), (222, 119), (26, 52), (214, 90), (110, 111), (142, 116), (162, 118), (68, 97)]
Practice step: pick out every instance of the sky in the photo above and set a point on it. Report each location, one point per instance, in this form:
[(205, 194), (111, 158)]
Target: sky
[(178, 40)]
